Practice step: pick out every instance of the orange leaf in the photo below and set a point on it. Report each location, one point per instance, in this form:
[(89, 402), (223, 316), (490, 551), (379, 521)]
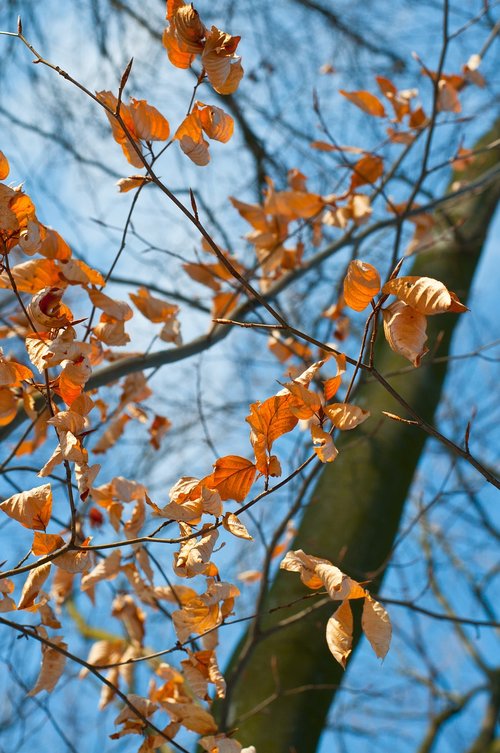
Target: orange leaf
[(149, 124), (366, 101), (8, 406), (232, 477), (73, 378), (33, 275), (158, 429), (176, 51), (223, 67), (188, 28), (366, 170), (216, 123), (45, 543), (361, 284), (4, 166), (155, 309), (269, 421), (330, 386)]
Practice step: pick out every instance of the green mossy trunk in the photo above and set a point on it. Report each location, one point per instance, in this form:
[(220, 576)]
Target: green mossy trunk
[(355, 509)]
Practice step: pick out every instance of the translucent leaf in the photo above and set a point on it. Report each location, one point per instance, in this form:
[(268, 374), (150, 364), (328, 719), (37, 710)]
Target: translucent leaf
[(424, 294), (345, 416), (361, 284), (405, 331), (366, 101)]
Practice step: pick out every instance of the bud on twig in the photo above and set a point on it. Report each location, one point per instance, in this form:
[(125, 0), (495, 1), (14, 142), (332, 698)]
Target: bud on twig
[(194, 205), (126, 74)]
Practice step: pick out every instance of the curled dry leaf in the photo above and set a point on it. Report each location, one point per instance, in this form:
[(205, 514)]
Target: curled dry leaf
[(405, 330), (345, 416), (339, 633), (106, 569), (361, 284), (75, 562), (233, 524), (425, 295), (191, 716), (46, 309), (222, 66), (53, 662), (31, 508), (323, 444), (35, 580), (133, 181), (194, 555), (216, 123), (376, 626), (330, 386)]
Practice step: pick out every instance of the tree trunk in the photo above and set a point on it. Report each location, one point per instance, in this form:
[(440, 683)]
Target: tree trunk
[(354, 511)]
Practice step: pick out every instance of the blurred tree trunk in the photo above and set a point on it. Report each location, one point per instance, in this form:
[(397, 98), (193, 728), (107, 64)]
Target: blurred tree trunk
[(354, 511)]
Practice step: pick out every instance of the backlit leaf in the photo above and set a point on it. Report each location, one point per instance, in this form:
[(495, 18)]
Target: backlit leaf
[(346, 416), (233, 477), (424, 294), (366, 101), (405, 331), (361, 284)]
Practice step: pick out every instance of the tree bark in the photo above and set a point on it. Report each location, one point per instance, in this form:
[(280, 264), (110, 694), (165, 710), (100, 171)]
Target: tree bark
[(354, 511)]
